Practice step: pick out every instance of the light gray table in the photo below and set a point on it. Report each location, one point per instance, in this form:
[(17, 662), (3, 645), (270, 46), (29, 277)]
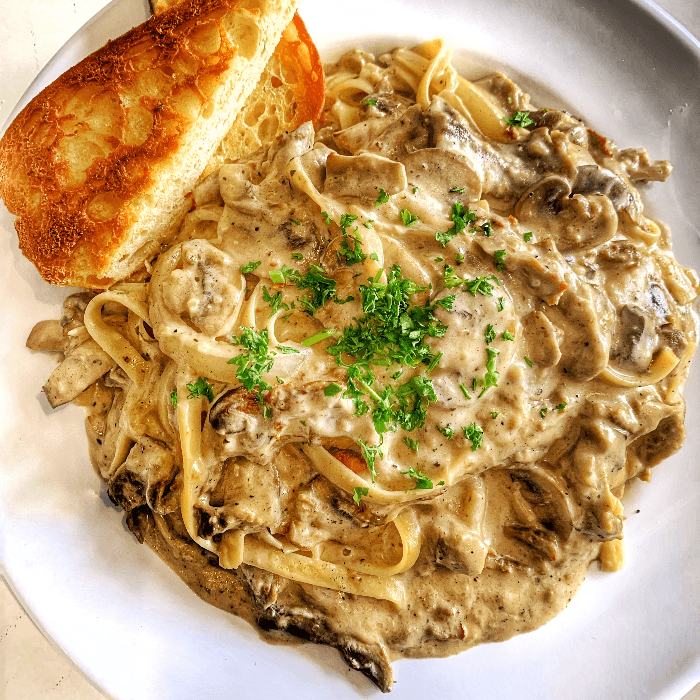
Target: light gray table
[(31, 668)]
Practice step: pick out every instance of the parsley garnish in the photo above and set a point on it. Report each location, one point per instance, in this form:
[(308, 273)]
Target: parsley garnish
[(482, 284), (494, 414), (461, 217), (407, 218), (415, 189), (520, 119), (296, 222), (286, 350), (251, 266), (199, 388), (448, 432), (332, 389), (527, 236), (500, 256), (459, 190), (501, 303), (368, 223), (173, 398), (451, 279), (382, 199), (475, 434), (459, 258), (422, 481), (506, 335), (277, 276), (258, 360), (561, 406), (352, 254), (486, 228), (297, 256), (466, 393), (370, 453), (412, 444), (326, 218), (446, 302), (529, 361), (491, 378), (360, 491), (370, 101), (543, 412), (490, 334), (318, 337), (274, 301)]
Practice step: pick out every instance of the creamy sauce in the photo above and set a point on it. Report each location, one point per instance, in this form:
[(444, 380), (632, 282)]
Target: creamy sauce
[(534, 367)]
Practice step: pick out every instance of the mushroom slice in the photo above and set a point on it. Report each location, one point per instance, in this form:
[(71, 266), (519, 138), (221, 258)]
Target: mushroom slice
[(360, 176), (541, 339)]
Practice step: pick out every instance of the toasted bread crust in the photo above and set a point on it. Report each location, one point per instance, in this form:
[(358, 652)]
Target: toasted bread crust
[(97, 165)]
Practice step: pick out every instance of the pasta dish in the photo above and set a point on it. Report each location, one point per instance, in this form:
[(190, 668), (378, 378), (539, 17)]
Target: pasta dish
[(386, 387)]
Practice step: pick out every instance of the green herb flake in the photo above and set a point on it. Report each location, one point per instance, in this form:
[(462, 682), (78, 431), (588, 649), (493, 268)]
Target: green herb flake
[(459, 190), (507, 335), (494, 414), (491, 377), (490, 334), (543, 412), (326, 218), (561, 406), (475, 434), (407, 218), (296, 222), (521, 119), (200, 388), (382, 199), (277, 276), (499, 256), (447, 302), (286, 350), (360, 491), (439, 259), (433, 363), (370, 454), (448, 432), (411, 444), (173, 398), (527, 236), (279, 380), (486, 228), (415, 189), (332, 389), (422, 481), (318, 337), (464, 390), (370, 101), (459, 258), (374, 256), (251, 266), (461, 217), (368, 224), (501, 303), (297, 256), (482, 285), (529, 361)]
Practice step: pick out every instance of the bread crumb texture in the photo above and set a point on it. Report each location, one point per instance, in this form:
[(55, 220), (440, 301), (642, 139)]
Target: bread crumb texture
[(97, 166)]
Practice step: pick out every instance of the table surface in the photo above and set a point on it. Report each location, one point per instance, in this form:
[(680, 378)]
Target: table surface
[(31, 667)]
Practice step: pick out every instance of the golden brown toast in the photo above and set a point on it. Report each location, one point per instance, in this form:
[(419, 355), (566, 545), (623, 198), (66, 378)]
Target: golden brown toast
[(290, 92), (97, 167)]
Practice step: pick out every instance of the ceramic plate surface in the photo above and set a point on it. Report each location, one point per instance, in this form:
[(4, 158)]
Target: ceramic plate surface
[(139, 633)]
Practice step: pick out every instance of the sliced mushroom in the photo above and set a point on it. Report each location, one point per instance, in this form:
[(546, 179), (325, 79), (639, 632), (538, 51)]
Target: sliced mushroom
[(436, 170), (541, 339), (47, 336), (361, 176), (403, 136)]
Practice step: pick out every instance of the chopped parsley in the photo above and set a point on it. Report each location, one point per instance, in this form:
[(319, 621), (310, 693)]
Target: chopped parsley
[(561, 406), (475, 434), (370, 101), (382, 199), (486, 228), (459, 258), (297, 256), (251, 266), (529, 361), (368, 223), (296, 222), (352, 253), (360, 491), (370, 453), (501, 303), (411, 444), (422, 481), (446, 302), (520, 119), (494, 414), (527, 236), (415, 189), (332, 389), (543, 412), (507, 335), (407, 218), (326, 218), (199, 388), (500, 256), (490, 334), (483, 285), (275, 301), (253, 364), (173, 398), (448, 432), (318, 337), (461, 217), (286, 350), (464, 390), (491, 377), (451, 279), (277, 276), (459, 190)]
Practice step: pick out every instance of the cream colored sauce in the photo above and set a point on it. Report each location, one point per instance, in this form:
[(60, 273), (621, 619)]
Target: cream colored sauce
[(510, 525)]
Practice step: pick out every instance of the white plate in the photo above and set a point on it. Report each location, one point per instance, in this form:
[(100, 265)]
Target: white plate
[(139, 633)]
